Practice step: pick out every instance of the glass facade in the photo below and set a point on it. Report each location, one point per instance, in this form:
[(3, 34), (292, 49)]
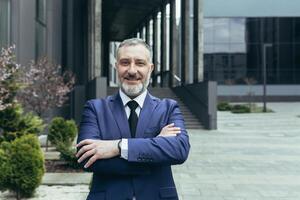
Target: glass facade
[(235, 47), (4, 23)]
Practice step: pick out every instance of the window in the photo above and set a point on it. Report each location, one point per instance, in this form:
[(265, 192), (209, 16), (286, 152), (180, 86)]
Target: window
[(4, 22), (233, 49)]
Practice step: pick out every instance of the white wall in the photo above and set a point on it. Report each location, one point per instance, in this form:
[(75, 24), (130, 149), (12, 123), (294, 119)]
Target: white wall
[(272, 90)]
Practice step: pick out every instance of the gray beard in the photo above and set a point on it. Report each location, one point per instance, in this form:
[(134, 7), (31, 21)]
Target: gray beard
[(135, 90)]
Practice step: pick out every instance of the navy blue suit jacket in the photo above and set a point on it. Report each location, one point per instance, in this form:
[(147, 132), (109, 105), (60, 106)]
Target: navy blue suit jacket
[(147, 173)]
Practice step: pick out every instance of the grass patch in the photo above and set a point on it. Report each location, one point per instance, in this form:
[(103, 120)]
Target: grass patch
[(259, 109), (242, 108)]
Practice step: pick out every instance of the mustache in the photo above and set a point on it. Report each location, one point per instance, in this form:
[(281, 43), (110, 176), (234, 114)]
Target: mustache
[(132, 76)]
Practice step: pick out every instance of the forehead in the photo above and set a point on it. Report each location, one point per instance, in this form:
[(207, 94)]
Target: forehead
[(135, 51)]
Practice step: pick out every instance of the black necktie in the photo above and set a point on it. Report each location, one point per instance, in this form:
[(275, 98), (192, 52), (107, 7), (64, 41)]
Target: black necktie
[(133, 118)]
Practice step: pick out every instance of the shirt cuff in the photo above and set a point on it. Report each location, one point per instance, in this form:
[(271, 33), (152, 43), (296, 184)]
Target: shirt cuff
[(124, 149)]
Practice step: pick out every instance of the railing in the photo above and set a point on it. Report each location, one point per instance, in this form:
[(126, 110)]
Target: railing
[(187, 89)]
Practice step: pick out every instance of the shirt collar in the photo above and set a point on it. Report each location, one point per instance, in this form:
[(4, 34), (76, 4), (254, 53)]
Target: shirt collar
[(139, 99)]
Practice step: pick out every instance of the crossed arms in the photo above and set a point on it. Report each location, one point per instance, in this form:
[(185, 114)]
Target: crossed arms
[(170, 146)]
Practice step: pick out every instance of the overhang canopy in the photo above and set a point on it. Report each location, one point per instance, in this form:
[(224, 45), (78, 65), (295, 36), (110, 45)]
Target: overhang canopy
[(122, 17)]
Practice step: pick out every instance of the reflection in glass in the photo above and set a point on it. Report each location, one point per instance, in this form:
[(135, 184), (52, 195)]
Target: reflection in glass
[(208, 30), (286, 30), (234, 52), (237, 48), (221, 48), (237, 30), (297, 29), (221, 30), (253, 31)]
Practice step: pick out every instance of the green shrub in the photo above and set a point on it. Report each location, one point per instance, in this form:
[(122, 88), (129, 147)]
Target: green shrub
[(62, 131), (5, 170), (224, 106), (26, 165), (68, 154), (10, 118), (15, 124), (240, 109), (31, 124)]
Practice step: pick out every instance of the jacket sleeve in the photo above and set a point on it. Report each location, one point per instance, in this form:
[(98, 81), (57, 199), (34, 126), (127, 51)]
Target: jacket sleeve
[(162, 150), (89, 129)]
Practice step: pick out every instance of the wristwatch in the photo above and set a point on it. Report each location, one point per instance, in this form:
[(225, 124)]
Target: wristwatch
[(119, 146)]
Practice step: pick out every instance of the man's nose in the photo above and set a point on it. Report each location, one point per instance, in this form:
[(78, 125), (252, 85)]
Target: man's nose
[(132, 69)]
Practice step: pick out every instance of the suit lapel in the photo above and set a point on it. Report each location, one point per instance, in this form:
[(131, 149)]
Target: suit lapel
[(119, 114), (145, 115)]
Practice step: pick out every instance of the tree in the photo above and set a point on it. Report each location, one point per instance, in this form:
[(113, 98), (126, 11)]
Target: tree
[(10, 81), (13, 121), (46, 86)]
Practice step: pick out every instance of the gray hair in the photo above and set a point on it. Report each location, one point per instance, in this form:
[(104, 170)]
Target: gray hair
[(134, 42)]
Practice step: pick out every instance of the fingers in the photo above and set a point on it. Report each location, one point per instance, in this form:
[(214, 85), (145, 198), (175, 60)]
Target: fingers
[(91, 161), (170, 130), (174, 129), (86, 155), (168, 135), (84, 149), (170, 125), (84, 142)]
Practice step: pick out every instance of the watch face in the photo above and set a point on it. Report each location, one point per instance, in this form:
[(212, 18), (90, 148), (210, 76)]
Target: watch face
[(119, 146)]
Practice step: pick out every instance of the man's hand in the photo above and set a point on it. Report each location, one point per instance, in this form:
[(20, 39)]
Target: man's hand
[(169, 130), (96, 149)]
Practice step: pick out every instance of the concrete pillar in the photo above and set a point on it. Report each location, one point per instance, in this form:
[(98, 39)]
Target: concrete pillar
[(141, 33), (105, 65), (163, 46), (94, 38), (185, 30), (154, 48), (198, 41), (148, 32), (173, 42)]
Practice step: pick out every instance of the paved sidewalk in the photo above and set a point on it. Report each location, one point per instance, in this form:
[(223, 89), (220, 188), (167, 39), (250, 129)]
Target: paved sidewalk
[(249, 157)]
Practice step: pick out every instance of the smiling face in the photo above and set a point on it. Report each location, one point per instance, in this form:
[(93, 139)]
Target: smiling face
[(134, 69)]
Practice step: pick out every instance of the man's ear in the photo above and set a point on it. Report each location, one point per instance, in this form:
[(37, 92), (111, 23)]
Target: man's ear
[(152, 68)]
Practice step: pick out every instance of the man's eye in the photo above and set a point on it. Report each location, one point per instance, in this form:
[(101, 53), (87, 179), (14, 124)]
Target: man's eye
[(140, 63), (125, 63)]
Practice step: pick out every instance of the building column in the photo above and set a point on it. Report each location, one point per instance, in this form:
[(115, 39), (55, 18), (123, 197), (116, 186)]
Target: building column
[(97, 54), (173, 42), (185, 38), (94, 38), (154, 49), (147, 32), (163, 46), (198, 41)]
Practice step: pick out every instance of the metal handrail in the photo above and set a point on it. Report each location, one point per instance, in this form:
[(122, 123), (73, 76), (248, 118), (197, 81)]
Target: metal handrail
[(187, 89)]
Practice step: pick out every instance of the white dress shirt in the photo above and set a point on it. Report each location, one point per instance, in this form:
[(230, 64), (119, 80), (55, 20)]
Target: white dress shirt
[(125, 99)]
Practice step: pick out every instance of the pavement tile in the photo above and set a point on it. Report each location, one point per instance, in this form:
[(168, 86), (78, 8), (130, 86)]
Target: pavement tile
[(249, 157)]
